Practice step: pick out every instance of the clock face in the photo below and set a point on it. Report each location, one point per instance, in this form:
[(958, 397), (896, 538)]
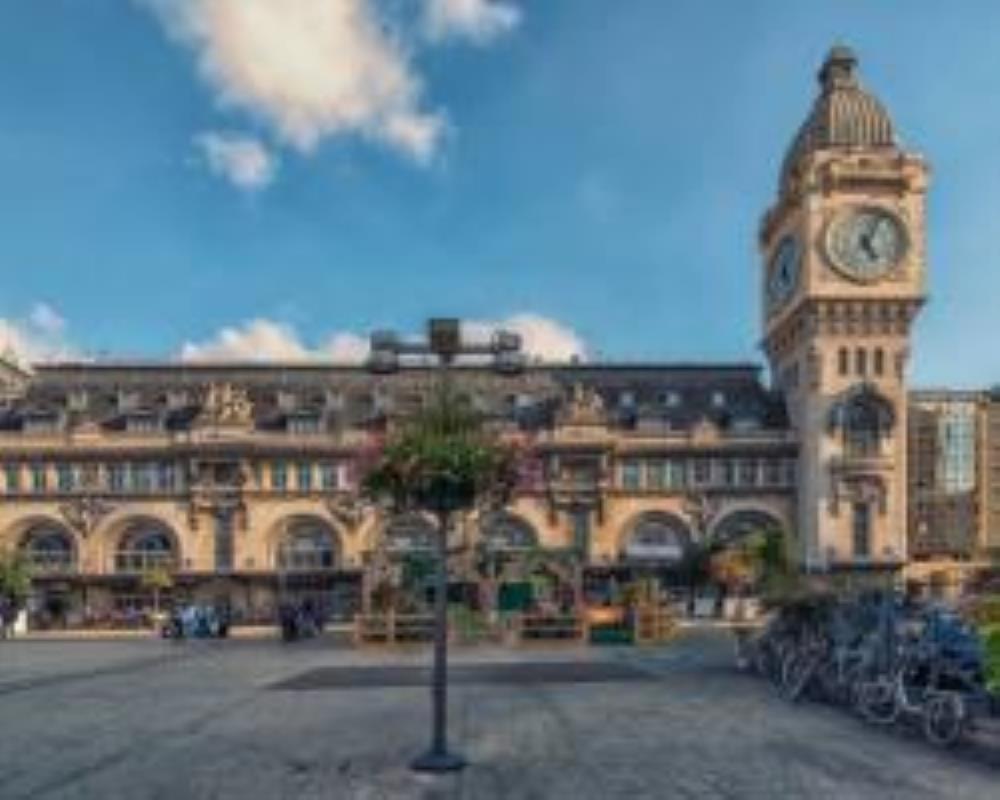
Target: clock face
[(784, 273), (866, 243)]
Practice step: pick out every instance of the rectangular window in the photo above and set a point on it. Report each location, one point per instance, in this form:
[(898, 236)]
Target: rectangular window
[(581, 532), (142, 477), (279, 476), (656, 474), (631, 475), (879, 361), (676, 473), (304, 477), (862, 521), (861, 361), (39, 478), (328, 476), (12, 477), (224, 542), (842, 358), (168, 476), (725, 472), (64, 477), (747, 472), (772, 472), (116, 477), (702, 471)]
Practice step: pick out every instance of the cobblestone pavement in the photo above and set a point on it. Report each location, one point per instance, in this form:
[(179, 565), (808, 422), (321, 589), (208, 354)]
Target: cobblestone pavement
[(150, 719)]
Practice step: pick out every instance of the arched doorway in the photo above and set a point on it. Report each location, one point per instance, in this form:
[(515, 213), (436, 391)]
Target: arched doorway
[(748, 548), (309, 562), (146, 560), (514, 573), (51, 554)]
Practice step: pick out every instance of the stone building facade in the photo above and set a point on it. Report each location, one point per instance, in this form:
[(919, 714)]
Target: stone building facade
[(241, 480)]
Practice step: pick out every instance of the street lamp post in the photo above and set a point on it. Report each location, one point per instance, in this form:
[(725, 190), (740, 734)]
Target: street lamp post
[(444, 341)]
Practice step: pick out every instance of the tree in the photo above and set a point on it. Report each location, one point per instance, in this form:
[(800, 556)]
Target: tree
[(156, 580), (442, 461), (15, 578)]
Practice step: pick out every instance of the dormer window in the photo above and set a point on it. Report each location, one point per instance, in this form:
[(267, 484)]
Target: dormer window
[(44, 422), (670, 399), (142, 423), (304, 424)]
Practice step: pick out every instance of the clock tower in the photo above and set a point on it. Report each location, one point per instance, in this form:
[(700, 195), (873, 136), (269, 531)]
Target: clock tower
[(843, 254)]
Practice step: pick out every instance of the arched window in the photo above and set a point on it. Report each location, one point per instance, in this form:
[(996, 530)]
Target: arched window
[(863, 418), (657, 536), (742, 524), (410, 533), (145, 546), (308, 545), (48, 549), (861, 361), (843, 365), (503, 532)]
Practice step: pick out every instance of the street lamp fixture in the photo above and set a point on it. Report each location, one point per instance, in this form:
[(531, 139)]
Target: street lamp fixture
[(444, 343)]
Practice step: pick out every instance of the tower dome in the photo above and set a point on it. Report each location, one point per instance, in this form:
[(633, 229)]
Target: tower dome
[(844, 114)]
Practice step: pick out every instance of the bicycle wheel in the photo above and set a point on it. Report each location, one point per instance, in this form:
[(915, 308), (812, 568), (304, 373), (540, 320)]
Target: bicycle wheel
[(944, 719), (796, 670), (877, 702)]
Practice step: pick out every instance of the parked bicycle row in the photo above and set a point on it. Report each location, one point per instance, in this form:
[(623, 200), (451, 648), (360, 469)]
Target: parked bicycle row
[(891, 661)]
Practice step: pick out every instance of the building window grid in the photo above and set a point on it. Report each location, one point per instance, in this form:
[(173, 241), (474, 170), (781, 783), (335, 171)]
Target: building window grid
[(279, 476), (304, 477)]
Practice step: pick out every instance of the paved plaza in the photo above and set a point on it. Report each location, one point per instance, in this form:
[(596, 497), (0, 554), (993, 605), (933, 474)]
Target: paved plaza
[(258, 719)]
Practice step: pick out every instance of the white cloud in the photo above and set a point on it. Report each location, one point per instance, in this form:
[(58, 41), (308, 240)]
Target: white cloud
[(256, 340), (542, 338), (347, 347), (480, 21), (38, 338), (242, 160), (310, 69), (266, 340), (45, 319)]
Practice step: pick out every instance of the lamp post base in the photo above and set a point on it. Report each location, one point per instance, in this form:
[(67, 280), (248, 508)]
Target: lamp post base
[(433, 761)]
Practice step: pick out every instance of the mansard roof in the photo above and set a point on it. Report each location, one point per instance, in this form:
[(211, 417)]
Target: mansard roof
[(674, 395)]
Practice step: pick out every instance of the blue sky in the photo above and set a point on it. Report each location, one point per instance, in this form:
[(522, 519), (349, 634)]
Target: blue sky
[(594, 169)]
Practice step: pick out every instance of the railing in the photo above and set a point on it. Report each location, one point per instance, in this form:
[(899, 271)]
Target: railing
[(129, 561), (551, 627), (51, 564), (654, 624), (393, 628), (292, 561)]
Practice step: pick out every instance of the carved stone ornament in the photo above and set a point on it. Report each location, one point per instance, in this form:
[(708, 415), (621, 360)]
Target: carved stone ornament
[(83, 513), (347, 511), (585, 407), (226, 404), (701, 509)]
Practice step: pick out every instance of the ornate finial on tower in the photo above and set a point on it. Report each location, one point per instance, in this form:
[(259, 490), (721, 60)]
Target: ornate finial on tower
[(839, 68)]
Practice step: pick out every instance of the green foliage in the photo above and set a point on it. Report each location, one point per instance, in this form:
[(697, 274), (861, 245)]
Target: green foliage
[(991, 639), (442, 460), (15, 577), (985, 611), (156, 579)]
